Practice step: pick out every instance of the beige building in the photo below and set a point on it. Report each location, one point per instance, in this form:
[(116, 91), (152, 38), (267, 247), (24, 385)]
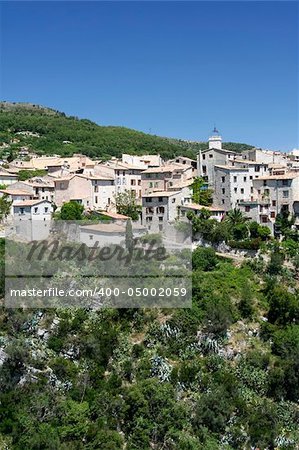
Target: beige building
[(271, 195), (127, 177), (169, 176), (74, 187)]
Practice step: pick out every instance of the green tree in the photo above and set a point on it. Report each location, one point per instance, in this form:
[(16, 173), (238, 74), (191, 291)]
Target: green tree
[(201, 194), (5, 206), (126, 204), (129, 236), (235, 217), (71, 211), (204, 259)]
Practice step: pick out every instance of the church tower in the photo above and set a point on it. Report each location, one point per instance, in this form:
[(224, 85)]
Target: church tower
[(215, 141)]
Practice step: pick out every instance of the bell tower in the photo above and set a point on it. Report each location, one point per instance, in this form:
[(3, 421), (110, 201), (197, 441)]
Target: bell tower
[(215, 140)]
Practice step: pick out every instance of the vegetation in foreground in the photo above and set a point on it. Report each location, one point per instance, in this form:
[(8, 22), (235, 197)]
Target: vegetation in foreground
[(222, 375)]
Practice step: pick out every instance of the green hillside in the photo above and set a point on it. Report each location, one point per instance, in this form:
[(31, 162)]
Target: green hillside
[(85, 136)]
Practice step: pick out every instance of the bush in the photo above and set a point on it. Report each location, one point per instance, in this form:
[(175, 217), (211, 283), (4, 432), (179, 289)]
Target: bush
[(204, 259)]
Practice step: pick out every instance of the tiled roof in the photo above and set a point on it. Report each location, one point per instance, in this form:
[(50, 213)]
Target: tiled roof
[(162, 194), (29, 202)]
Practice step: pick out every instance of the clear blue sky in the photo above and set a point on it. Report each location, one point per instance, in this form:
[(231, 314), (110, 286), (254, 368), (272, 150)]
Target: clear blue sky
[(173, 67)]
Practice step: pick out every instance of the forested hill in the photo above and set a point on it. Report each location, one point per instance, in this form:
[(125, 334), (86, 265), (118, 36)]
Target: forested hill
[(65, 135)]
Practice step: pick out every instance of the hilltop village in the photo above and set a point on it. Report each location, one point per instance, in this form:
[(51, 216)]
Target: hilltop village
[(259, 183)]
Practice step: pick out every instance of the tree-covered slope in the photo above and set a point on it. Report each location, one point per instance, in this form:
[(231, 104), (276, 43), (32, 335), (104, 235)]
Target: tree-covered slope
[(84, 136)]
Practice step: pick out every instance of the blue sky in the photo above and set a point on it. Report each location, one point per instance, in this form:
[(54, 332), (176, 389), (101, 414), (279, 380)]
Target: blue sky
[(174, 68)]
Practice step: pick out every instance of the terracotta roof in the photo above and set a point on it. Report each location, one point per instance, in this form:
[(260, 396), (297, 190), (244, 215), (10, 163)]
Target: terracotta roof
[(285, 176), (15, 192), (161, 194), (200, 207), (230, 167), (250, 162), (110, 227), (167, 168), (29, 202), (114, 215)]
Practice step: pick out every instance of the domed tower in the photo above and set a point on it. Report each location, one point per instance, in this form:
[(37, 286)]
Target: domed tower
[(215, 141)]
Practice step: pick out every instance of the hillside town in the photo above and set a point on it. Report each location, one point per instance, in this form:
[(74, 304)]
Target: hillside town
[(260, 183)]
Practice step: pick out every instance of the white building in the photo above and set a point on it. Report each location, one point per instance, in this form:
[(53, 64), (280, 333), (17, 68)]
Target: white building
[(271, 195), (162, 208), (32, 219), (105, 234), (212, 156)]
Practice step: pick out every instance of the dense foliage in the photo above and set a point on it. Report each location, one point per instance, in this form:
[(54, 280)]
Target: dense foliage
[(59, 134), (222, 375)]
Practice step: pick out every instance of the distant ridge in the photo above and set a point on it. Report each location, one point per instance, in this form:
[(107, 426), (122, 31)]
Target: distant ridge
[(65, 135)]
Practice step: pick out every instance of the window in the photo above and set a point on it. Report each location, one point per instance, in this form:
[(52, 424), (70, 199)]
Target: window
[(235, 179), (36, 210), (61, 185), (91, 237), (203, 156), (256, 168), (242, 190), (210, 155), (160, 210), (264, 219), (124, 173), (173, 200), (160, 199), (251, 190), (96, 199), (148, 200), (160, 227), (273, 202), (235, 190), (96, 188), (149, 219), (139, 182), (223, 190), (22, 210), (160, 219), (151, 185), (285, 182), (204, 169), (245, 178), (133, 182), (46, 209), (108, 201), (285, 194), (251, 177), (222, 201), (265, 183), (223, 179), (247, 208), (272, 214)]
